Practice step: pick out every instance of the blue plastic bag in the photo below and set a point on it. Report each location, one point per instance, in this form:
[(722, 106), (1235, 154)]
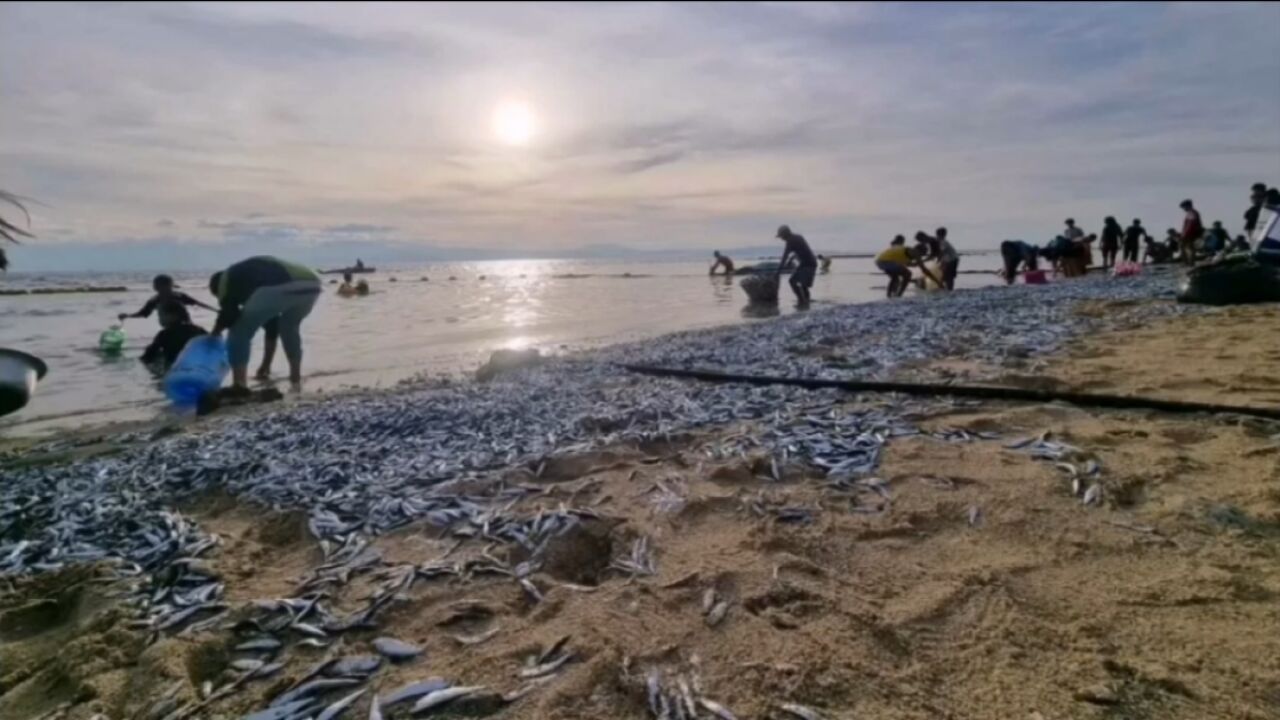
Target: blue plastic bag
[(200, 368)]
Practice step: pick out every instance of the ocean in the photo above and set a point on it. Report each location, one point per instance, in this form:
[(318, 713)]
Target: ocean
[(408, 326)]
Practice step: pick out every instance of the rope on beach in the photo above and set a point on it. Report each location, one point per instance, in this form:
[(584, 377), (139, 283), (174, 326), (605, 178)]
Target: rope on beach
[(983, 392)]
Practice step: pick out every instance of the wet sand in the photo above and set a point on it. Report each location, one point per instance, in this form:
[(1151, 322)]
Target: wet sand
[(980, 587)]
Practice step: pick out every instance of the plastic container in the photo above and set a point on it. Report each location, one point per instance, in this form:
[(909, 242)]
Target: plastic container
[(1034, 277), (111, 340), (200, 368)]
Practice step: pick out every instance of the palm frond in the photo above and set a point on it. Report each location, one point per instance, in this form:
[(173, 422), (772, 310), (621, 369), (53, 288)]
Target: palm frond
[(8, 230)]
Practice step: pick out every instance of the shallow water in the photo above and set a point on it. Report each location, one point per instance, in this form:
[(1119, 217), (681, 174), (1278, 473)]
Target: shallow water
[(402, 329)]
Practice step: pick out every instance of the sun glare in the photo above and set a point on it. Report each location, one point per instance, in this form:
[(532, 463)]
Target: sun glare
[(514, 123)]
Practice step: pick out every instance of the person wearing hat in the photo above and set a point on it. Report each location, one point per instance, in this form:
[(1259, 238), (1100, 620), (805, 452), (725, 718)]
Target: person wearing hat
[(1192, 231), (802, 277), (166, 291)]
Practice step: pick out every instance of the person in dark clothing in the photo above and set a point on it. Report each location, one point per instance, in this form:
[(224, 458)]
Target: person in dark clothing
[(942, 251), (807, 263), (169, 342), (1111, 233), (1016, 254), (722, 261), (1217, 239), (165, 290), (1133, 236), (256, 292), (1257, 198), (1241, 244)]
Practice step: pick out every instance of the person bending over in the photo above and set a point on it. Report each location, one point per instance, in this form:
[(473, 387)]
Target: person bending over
[(256, 292), (807, 263), (722, 261), (1017, 255)]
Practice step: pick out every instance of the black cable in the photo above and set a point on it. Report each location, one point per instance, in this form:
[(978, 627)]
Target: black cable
[(985, 392)]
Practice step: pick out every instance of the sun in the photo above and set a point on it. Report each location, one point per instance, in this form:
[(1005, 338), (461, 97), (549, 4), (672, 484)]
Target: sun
[(514, 123)]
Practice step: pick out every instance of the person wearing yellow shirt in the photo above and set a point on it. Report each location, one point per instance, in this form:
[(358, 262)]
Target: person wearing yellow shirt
[(895, 261)]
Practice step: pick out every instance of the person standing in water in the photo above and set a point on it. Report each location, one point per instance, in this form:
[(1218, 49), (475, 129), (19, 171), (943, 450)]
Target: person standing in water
[(1133, 236), (258, 291), (166, 291), (1192, 231), (722, 261), (824, 264), (1016, 254), (1257, 198), (1111, 234), (1072, 232), (802, 277), (944, 252)]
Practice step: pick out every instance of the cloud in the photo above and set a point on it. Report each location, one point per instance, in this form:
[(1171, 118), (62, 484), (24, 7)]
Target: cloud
[(650, 161), (660, 123), (165, 223), (359, 229)]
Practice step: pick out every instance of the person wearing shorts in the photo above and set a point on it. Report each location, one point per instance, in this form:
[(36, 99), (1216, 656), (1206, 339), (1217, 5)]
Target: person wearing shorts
[(802, 277), (259, 291), (895, 261)]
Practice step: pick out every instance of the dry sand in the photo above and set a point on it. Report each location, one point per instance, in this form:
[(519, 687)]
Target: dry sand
[(986, 591)]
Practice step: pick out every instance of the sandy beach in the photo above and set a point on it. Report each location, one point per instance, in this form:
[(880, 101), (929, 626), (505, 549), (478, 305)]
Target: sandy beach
[(954, 575)]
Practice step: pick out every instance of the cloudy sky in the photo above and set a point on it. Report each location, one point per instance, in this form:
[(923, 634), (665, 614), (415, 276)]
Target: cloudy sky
[(191, 132)]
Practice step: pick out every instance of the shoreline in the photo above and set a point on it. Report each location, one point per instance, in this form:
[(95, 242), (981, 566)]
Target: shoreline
[(865, 546)]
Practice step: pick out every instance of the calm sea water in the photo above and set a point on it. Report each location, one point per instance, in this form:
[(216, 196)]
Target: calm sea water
[(404, 328)]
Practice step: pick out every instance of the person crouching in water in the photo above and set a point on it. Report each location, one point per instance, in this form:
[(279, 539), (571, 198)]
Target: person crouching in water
[(346, 289), (802, 277), (1017, 254), (258, 291), (895, 261), (177, 330), (722, 261)]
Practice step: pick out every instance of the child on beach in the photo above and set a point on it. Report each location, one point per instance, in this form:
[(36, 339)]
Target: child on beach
[(166, 290), (177, 330)]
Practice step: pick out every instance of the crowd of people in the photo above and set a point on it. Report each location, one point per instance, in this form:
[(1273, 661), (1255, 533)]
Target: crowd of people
[(273, 295), (1071, 252)]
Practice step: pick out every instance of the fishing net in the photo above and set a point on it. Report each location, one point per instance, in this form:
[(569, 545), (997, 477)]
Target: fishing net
[(1234, 280), (761, 288)]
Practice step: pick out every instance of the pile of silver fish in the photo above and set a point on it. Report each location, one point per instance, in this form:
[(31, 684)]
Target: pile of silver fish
[(361, 466), (372, 464)]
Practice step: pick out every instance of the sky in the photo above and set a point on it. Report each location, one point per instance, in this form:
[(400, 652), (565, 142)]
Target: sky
[(186, 135)]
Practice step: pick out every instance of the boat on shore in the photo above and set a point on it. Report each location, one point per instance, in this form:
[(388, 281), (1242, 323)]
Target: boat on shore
[(352, 270)]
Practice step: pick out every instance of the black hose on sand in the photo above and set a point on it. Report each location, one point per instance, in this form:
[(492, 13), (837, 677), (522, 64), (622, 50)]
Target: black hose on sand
[(983, 392)]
